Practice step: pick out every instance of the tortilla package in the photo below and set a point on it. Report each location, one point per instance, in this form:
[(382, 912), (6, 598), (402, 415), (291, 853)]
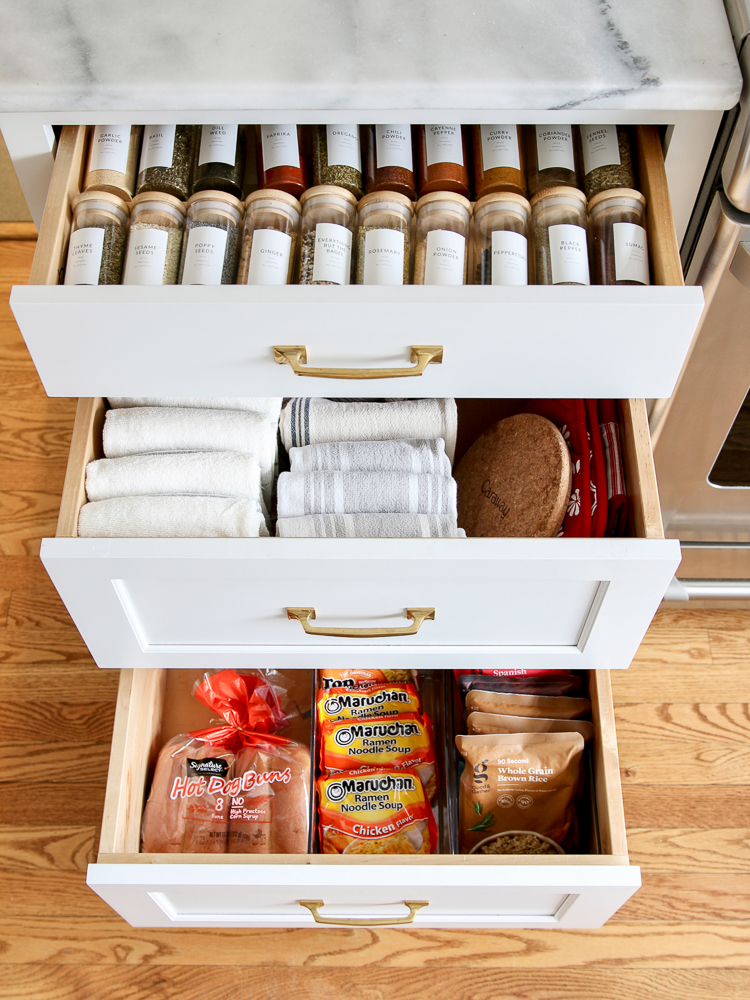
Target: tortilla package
[(375, 811), (224, 783), (385, 701), (403, 742), (519, 781), (529, 705), (352, 677), (561, 683), (482, 724)]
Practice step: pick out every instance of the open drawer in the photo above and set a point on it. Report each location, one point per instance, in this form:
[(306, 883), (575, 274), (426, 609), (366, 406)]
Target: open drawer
[(535, 341), (220, 602), (240, 890)]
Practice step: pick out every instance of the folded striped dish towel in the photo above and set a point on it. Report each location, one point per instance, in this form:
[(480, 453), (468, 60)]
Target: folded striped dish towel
[(365, 493), (314, 420), (369, 526), (425, 456), (218, 473), (171, 517), (265, 406)]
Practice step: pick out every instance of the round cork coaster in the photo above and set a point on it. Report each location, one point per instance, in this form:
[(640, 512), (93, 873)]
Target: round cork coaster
[(515, 480)]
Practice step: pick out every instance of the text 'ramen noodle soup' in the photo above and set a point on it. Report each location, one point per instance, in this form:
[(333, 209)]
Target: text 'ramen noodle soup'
[(352, 677), (375, 812), (384, 701)]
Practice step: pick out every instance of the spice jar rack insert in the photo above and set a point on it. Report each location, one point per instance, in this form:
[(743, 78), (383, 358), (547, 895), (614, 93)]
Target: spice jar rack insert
[(591, 341)]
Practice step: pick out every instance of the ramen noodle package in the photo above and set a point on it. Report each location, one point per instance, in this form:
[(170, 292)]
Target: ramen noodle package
[(558, 682), (530, 705), (403, 742), (375, 811), (481, 724), (351, 677), (519, 781), (385, 701)]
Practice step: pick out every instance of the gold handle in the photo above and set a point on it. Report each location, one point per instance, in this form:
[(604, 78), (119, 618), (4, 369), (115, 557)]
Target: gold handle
[(305, 615), (314, 905), (296, 357)]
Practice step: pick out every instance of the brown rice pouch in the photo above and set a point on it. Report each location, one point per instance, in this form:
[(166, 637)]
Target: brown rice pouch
[(519, 781), (482, 723), (532, 706)]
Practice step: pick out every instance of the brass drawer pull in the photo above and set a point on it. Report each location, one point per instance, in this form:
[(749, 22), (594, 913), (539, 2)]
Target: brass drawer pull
[(314, 905), (296, 357), (305, 615)]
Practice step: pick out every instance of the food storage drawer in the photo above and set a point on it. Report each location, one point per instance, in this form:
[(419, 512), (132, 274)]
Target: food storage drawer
[(225, 890), (595, 342), (573, 603)]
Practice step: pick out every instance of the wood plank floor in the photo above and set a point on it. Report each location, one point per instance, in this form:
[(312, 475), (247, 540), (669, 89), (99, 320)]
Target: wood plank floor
[(684, 737)]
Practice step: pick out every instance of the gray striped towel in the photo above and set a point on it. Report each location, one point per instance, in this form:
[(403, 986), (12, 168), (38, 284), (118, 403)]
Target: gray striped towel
[(372, 456), (365, 493), (369, 526)]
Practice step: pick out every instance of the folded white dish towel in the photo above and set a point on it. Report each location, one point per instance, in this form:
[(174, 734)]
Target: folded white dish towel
[(365, 493), (205, 473), (369, 526), (266, 406), (372, 456), (315, 420), (171, 517)]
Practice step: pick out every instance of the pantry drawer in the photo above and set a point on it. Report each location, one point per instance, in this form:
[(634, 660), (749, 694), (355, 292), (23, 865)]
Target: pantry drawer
[(168, 890), (568, 603), (537, 341)]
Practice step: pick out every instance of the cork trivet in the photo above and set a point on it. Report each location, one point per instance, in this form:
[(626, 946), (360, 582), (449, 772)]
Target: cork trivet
[(515, 480)]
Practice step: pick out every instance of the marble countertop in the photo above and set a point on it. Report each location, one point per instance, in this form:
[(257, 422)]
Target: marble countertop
[(340, 55)]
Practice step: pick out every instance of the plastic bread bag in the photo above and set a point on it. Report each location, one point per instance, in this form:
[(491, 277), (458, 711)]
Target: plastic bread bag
[(196, 775), (375, 811), (529, 705), (559, 682), (386, 701), (519, 782), (404, 742), (351, 677), (482, 724)]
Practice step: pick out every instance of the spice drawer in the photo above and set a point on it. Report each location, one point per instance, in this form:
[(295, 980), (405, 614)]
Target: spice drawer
[(225, 890), (605, 342), (572, 603)]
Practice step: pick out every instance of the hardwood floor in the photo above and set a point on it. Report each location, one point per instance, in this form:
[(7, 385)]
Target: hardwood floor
[(684, 737)]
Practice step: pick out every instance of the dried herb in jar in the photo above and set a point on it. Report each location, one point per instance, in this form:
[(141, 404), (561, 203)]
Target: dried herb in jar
[(97, 239), (551, 157), (337, 158), (167, 156), (389, 159), (607, 158), (221, 159)]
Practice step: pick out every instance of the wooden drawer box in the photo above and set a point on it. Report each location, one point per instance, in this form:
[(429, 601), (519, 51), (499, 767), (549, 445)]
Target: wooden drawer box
[(207, 603), (537, 341), (172, 890)]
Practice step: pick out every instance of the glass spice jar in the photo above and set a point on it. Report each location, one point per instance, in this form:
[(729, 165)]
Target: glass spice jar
[(619, 243), (167, 155), (551, 157), (500, 239), (281, 165), (221, 159), (269, 238), (383, 238), (113, 159), (337, 159), (442, 159), (559, 235), (607, 158), (209, 246), (326, 235), (498, 159), (97, 239), (441, 258), (152, 255), (389, 159)]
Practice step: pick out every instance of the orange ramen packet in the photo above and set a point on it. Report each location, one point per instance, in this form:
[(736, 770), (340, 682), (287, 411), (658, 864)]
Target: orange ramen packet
[(385, 701), (351, 677), (375, 811)]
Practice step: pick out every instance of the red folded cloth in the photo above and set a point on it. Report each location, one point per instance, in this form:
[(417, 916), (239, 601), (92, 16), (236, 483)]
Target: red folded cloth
[(569, 416)]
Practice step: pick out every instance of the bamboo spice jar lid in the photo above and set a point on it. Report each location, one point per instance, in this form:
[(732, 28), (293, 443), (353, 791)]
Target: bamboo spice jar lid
[(515, 480)]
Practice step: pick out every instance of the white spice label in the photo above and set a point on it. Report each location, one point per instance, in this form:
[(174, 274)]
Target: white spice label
[(631, 252), (84, 257), (444, 264), (158, 146), (269, 258), (510, 263), (109, 148), (343, 146), (147, 253), (218, 144), (393, 146), (204, 256), (444, 144), (384, 257), (554, 146), (280, 146), (333, 253), (500, 147), (600, 146), (569, 255)]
